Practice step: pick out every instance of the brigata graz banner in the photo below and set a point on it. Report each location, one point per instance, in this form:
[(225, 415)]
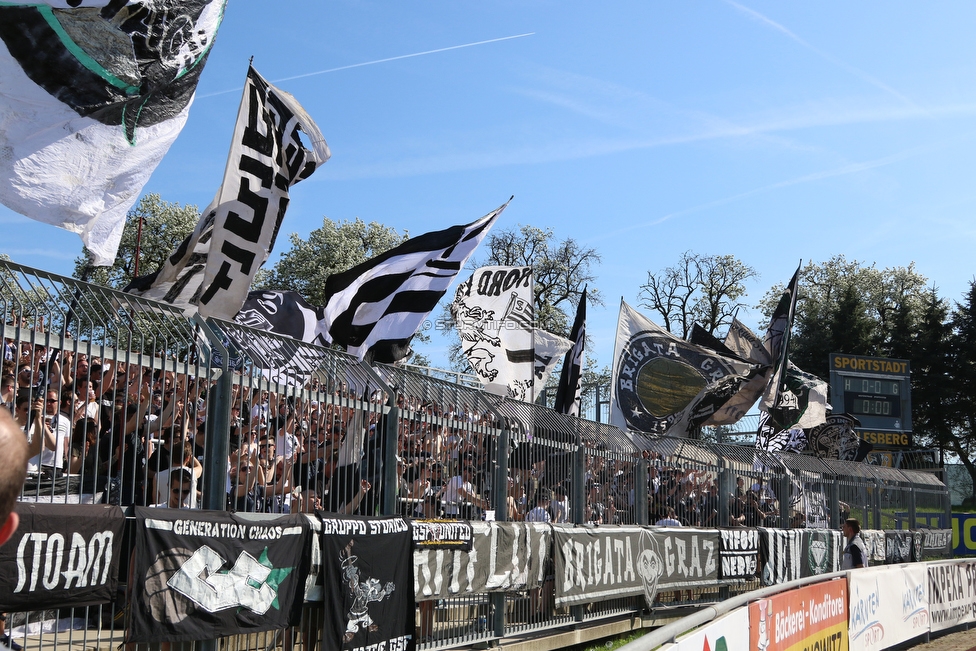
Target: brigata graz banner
[(503, 556), (952, 594), (200, 575), (368, 581), (61, 556), (595, 564)]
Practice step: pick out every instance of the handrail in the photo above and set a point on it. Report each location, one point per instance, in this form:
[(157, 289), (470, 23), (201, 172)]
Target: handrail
[(670, 632)]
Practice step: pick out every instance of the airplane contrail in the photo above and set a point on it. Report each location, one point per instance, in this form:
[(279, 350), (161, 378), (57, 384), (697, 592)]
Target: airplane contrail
[(370, 63)]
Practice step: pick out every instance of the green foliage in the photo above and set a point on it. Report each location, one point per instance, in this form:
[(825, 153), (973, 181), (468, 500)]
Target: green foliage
[(703, 289), (335, 247), (164, 226)]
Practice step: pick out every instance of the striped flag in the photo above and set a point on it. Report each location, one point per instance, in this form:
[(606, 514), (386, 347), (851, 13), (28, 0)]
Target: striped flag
[(375, 308), (568, 392), (778, 400)]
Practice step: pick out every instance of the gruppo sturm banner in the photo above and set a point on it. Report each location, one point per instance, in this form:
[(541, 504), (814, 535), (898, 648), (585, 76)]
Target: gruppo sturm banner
[(61, 556)]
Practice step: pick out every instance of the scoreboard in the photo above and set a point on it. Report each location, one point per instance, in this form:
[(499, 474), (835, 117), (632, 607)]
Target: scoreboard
[(877, 391)]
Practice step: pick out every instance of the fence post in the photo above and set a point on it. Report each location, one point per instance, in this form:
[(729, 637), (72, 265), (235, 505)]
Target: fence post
[(391, 428), (912, 506), (876, 505), (217, 442), (578, 506), (834, 497), (784, 490), (726, 484), (641, 488), (500, 502)]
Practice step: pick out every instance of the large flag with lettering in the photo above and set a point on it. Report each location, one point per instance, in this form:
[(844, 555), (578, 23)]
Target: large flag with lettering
[(211, 271), (200, 575), (61, 556), (660, 383), (375, 308), (568, 391), (91, 99)]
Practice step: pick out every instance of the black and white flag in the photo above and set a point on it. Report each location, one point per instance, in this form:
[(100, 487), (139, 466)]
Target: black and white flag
[(93, 96), (778, 400), (780, 555), (823, 549), (375, 308), (199, 575), (739, 553), (61, 556), (568, 392), (368, 576), (211, 271), (663, 384)]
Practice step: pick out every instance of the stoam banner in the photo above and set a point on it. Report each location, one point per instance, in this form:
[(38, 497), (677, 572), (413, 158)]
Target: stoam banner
[(202, 575), (367, 574), (811, 618), (595, 564), (212, 269), (738, 553), (93, 97), (663, 384), (888, 605), (952, 594), (61, 556), (502, 556)]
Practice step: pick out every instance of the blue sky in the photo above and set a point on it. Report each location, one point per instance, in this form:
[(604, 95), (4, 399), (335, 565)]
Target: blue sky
[(771, 131)]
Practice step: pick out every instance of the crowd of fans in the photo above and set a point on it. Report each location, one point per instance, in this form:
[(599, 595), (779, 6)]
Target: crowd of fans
[(122, 433)]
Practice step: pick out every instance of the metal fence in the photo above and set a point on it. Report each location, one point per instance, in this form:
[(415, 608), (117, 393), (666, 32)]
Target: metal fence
[(138, 405)]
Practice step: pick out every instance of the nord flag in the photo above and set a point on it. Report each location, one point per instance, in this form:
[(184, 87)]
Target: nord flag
[(568, 392), (375, 308), (92, 98), (212, 269), (659, 381)]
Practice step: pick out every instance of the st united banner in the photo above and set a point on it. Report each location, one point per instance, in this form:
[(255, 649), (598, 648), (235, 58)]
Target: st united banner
[(61, 556), (368, 580), (202, 575), (442, 534)]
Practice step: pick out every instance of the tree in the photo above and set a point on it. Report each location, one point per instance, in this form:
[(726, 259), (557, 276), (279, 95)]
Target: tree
[(933, 385), (703, 289), (164, 226), (561, 270), (961, 439), (335, 247), (829, 288)]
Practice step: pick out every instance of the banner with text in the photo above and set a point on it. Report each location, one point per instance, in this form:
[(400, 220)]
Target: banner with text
[(888, 605), (367, 573), (442, 534), (199, 575), (902, 547), (811, 617), (952, 594), (874, 541), (936, 543), (503, 556), (739, 553), (61, 556), (595, 564)]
